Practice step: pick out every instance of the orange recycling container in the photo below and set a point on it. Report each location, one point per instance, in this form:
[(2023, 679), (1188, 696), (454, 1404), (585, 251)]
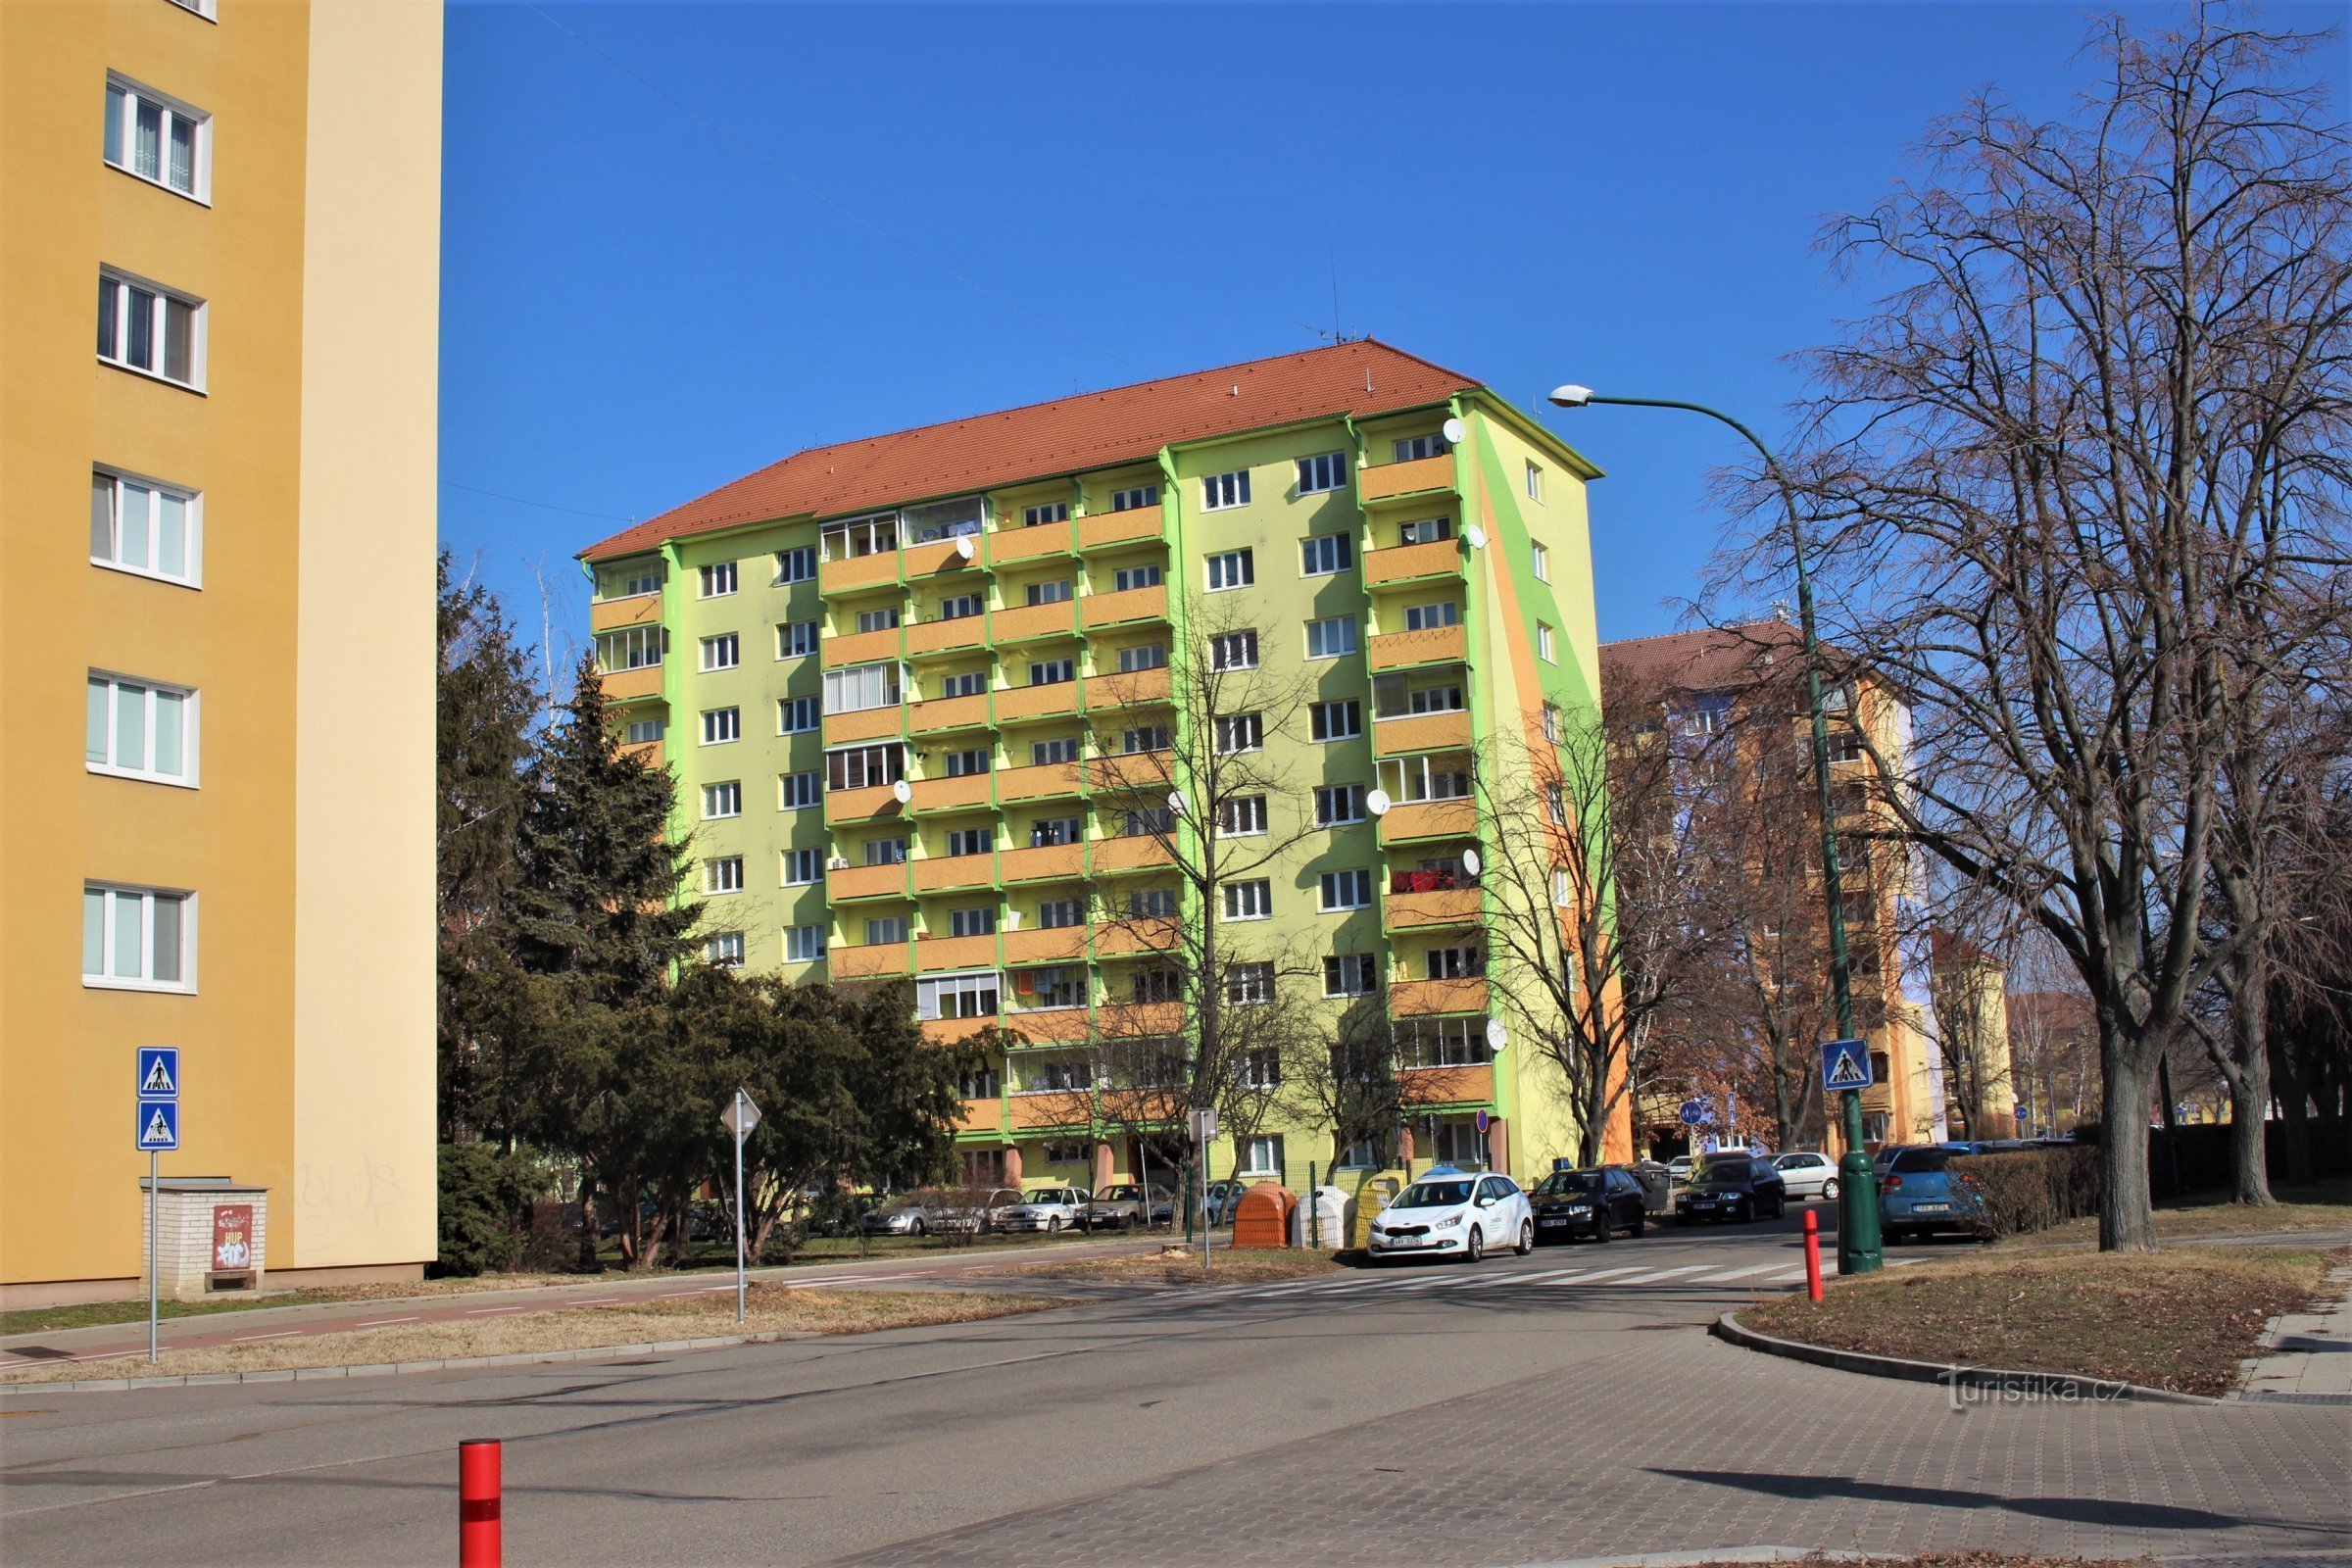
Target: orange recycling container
[(1262, 1218)]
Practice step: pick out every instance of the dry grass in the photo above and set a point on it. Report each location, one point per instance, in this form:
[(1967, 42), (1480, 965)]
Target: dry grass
[(2179, 1320), (1181, 1265), (2211, 1216), (1952, 1559), (771, 1310)]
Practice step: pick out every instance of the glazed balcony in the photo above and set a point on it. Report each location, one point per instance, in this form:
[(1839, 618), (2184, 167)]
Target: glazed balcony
[(962, 634), (1432, 910), (933, 954), (938, 873), (860, 806), (1410, 649), (866, 724), (1042, 862), (1440, 557), (854, 574), (858, 648), (1422, 999), (866, 882), (959, 794), (1394, 482), (1429, 1088), (1010, 545), (619, 615), (1106, 530), (865, 961), (633, 685), (1027, 623), (1043, 782), (1054, 944), (1414, 822), (1121, 609), (1421, 732), (947, 712), (1052, 699), (1141, 851)]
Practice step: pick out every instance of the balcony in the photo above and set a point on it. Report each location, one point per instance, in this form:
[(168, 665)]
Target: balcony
[(858, 571), (949, 1031), (1051, 699), (1129, 688), (1140, 936), (981, 1117), (647, 751), (1040, 783), (633, 685), (957, 635), (1430, 1087), (1432, 910), (961, 793), (1414, 822), (949, 712), (957, 952), (866, 882), (1057, 944), (1008, 545), (1050, 1026), (619, 615), (860, 806), (1028, 621), (1048, 1108), (1407, 650), (941, 554), (1420, 732), (1390, 482), (1136, 604), (1042, 862), (1138, 1020), (1421, 999), (1440, 557), (866, 724), (878, 961), (936, 874), (1133, 771), (859, 647), (1140, 852), (1106, 529)]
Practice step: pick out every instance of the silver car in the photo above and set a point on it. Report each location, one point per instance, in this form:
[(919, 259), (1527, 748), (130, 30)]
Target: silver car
[(1809, 1173), (915, 1215), (1048, 1209)]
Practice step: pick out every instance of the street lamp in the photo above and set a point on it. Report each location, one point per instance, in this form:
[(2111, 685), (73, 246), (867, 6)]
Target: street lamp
[(1858, 1245)]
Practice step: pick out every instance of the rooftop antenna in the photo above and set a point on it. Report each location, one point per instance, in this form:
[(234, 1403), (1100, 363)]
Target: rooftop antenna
[(1779, 609), (1337, 333)]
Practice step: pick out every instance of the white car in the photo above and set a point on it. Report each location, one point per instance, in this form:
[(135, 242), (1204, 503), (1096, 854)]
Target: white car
[(1809, 1173), (1456, 1213), (1049, 1209)]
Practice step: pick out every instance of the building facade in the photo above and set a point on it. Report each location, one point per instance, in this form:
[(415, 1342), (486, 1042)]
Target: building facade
[(217, 462), (910, 689)]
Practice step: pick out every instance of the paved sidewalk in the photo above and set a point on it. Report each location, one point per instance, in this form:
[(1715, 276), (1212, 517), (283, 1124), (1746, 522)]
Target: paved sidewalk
[(2307, 1356)]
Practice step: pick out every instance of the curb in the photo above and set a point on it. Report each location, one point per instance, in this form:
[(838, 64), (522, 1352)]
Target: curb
[(2065, 1385), (307, 1374)]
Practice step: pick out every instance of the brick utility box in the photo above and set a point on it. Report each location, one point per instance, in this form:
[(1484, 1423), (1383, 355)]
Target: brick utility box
[(213, 1235), (1262, 1217)]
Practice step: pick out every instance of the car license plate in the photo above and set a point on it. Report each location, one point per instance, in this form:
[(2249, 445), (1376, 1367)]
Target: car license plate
[(1555, 1222), (1404, 1241), (1930, 1208)]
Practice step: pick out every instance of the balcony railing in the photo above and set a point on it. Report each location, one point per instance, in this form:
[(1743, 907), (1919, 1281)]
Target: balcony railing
[(1438, 557), (1388, 480)]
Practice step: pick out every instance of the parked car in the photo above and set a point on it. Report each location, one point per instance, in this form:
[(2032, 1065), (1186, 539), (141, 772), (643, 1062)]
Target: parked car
[(1597, 1201), (1741, 1187), (1049, 1209), (1450, 1211), (1129, 1204), (1222, 1197), (1920, 1196), (917, 1213), (1677, 1169), (972, 1211), (1808, 1173)]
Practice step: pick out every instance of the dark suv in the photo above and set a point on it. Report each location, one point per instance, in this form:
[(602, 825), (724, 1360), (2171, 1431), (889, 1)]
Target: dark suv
[(1741, 1187), (1598, 1202)]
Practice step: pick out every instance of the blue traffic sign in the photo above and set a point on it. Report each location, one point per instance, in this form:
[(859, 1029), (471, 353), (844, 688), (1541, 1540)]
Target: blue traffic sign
[(1696, 1113), (1844, 1064), (158, 1129), (159, 1072)]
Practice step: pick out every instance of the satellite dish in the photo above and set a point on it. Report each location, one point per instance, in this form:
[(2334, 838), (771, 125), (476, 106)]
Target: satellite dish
[(1377, 801), (902, 792), (1476, 535), (1454, 431), (1470, 861), (1498, 1035), (1176, 802), (965, 545)]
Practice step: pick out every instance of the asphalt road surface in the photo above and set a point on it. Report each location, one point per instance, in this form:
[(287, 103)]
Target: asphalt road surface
[(1563, 1405)]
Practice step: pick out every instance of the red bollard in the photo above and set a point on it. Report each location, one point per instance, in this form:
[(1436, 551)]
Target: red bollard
[(478, 1489), (1813, 1255)]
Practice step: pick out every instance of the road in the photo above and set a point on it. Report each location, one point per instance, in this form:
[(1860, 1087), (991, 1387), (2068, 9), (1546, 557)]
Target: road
[(1563, 1405)]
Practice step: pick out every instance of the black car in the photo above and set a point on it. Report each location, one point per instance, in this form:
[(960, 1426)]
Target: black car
[(1741, 1187), (1596, 1203)]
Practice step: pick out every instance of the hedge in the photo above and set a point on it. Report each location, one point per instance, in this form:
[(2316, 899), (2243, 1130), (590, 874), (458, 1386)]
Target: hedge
[(2030, 1190), (484, 1195)]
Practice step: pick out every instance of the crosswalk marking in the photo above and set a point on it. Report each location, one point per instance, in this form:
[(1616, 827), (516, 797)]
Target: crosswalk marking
[(1730, 1275), (1606, 1273), (1665, 1274)]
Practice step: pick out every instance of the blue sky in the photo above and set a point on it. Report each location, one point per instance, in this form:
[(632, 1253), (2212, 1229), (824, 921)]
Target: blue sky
[(681, 241)]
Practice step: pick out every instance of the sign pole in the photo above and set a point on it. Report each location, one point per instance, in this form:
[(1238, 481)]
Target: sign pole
[(739, 1285), (155, 1260)]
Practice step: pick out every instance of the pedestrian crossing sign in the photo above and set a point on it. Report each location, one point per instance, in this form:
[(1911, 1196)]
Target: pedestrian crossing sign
[(1846, 1065), (158, 1126), (159, 1072)]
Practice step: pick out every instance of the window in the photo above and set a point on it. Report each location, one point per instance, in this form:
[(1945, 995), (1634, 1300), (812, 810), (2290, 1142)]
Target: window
[(962, 607), (1364, 1154), (1544, 642), (144, 327), (1233, 569), (1708, 716), (642, 732), (1338, 805), (1129, 578), (1351, 974), (1345, 889), (970, 841), (797, 716), (723, 875), (957, 996), (1443, 1043), (1561, 894), (724, 950), (795, 638), (631, 581), (1428, 618), (1248, 900), (965, 763), (974, 922), (801, 867), (1221, 492), (981, 1082), (1539, 561), (1326, 471), (885, 852), (885, 928), (1335, 721), (1241, 816), (1395, 695), (1424, 530), (1426, 778), (1156, 985), (1051, 830), (1051, 512), (804, 943), (1845, 743), (1043, 753), (1535, 481), (1241, 732), (861, 767), (723, 652), (943, 519), (143, 938), (1147, 738), (1056, 592), (795, 791), (1060, 1075), (860, 687), (878, 619), (162, 142), (1142, 495), (795, 566), (1250, 985), (138, 729), (1153, 904), (146, 528), (1055, 987), (1331, 638), (1453, 964), (1325, 553), (1053, 671), (1146, 656), (970, 684), (1059, 914), (1260, 1155), (1233, 649), (1551, 722), (1555, 805), (637, 647), (721, 725), (1413, 447), (859, 536), (723, 800), (1144, 821), (718, 579)]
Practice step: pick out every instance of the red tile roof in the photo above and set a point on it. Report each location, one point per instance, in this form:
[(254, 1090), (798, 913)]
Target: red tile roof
[(1094, 430), (1709, 659)]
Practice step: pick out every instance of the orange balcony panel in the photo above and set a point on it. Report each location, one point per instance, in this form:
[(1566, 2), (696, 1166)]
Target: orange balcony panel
[(1141, 936), (1056, 1109), (1040, 862), (932, 954), (1050, 1026), (1401, 649), (940, 554), (1385, 481), (633, 685), (1058, 944), (1140, 851), (1057, 698), (1039, 783), (866, 724), (1424, 732), (1419, 998), (941, 871), (947, 1031), (866, 882), (619, 614), (1429, 819), (1028, 544), (1025, 622), (1421, 1087), (860, 806), (1136, 604), (948, 794), (865, 961), (1440, 557), (1456, 907), (1133, 771), (981, 1117), (1136, 1020), (858, 648), (1134, 688), (858, 571), (1120, 527), (947, 712), (946, 636), (647, 751)]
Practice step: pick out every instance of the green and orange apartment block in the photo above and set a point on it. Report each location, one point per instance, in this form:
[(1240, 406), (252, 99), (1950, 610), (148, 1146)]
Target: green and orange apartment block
[(892, 677)]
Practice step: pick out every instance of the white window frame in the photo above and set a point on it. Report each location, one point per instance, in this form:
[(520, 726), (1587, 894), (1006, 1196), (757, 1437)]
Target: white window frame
[(1242, 816), (1333, 637), (1322, 473), (1140, 656), (1435, 615), (797, 564), (1045, 514), (974, 985), (722, 801), (1413, 447), (1135, 498), (1352, 889), (1253, 899), (1551, 722), (883, 619), (724, 950), (722, 874), (1325, 555), (630, 648), (1351, 974), (881, 929), (1233, 649), (804, 943), (1316, 716), (115, 289), (797, 639), (1049, 752), (801, 867), (1332, 800), (789, 785), (1535, 481), (1544, 642), (191, 708), (722, 652), (861, 688), (1259, 1154), (1237, 733), (791, 709), (852, 538), (112, 894), (1250, 985), (1128, 579), (1224, 492), (122, 119), (642, 732), (718, 579), (1538, 562), (191, 503), (721, 726), (1229, 569)]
